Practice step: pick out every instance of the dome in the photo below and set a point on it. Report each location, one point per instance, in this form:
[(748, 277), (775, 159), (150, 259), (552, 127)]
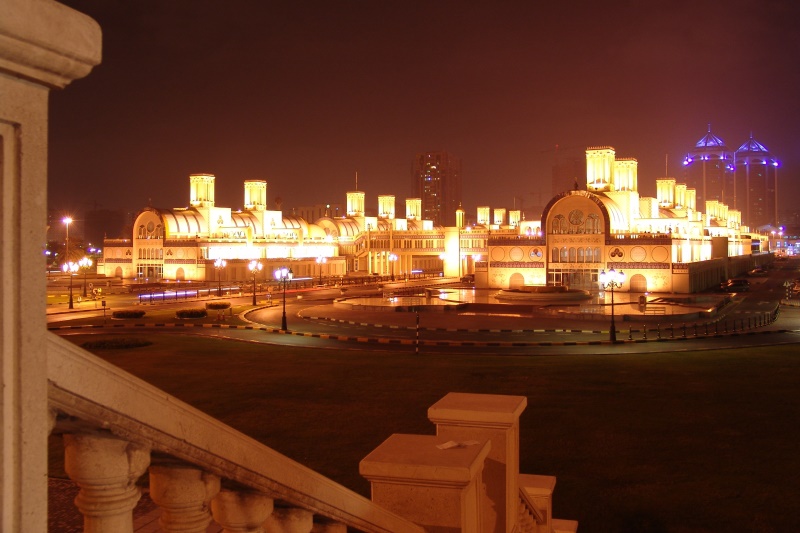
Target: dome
[(752, 146)]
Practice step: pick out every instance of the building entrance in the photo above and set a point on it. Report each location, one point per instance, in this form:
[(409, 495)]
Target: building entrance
[(575, 278)]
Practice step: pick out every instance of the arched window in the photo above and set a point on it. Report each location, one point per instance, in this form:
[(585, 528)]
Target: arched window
[(580, 255), (592, 224), (142, 233), (554, 255), (589, 257), (559, 224), (597, 255), (564, 255)]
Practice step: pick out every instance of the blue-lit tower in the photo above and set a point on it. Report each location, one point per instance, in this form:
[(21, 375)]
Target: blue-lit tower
[(708, 169), (756, 184)]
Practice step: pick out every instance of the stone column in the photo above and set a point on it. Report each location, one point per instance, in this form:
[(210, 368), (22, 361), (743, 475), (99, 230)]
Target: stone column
[(43, 46), (434, 483), (106, 469), (241, 511), (184, 493), (289, 520), (460, 416)]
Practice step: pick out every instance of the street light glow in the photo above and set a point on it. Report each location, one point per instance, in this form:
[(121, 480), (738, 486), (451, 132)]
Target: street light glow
[(611, 280)]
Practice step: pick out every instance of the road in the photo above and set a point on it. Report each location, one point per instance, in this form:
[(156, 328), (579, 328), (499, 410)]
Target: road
[(441, 333)]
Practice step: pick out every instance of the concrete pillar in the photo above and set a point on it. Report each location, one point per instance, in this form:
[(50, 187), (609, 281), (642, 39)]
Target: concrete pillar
[(106, 469), (289, 520), (461, 417), (432, 482), (43, 45), (241, 511), (184, 494)]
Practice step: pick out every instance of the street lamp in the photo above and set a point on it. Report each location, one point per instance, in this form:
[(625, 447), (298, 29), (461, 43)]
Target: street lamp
[(67, 221), (284, 275), (85, 263), (70, 268), (392, 259), (321, 261), (611, 280), (219, 264), (255, 267)]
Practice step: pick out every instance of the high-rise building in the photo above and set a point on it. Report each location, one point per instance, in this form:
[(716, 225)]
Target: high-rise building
[(756, 184), (708, 169), (437, 182)]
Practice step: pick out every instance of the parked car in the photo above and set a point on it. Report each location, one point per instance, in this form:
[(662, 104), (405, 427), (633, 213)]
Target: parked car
[(735, 285), (758, 271)]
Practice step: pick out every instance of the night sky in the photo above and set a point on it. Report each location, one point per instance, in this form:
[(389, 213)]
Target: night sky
[(305, 93)]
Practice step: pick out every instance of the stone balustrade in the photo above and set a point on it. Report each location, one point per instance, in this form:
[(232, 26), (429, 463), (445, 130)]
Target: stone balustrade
[(116, 427)]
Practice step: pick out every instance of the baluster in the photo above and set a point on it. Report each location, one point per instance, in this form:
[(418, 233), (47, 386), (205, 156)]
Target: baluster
[(184, 493), (289, 520), (106, 469), (241, 511)]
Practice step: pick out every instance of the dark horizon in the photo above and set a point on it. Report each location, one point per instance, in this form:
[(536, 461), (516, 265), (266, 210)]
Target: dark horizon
[(304, 95)]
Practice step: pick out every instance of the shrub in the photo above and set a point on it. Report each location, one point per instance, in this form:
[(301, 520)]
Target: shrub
[(218, 306), (115, 344), (191, 313), (128, 313)]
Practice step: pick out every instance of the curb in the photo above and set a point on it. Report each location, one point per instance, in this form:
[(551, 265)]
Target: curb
[(412, 342)]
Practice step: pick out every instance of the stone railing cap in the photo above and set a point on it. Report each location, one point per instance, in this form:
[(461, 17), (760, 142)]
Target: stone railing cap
[(479, 408), (416, 458), (47, 42)]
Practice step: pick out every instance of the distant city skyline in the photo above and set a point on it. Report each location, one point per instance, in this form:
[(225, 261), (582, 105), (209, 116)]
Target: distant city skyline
[(305, 95)]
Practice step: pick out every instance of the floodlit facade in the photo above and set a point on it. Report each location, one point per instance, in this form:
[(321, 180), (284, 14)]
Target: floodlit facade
[(664, 244)]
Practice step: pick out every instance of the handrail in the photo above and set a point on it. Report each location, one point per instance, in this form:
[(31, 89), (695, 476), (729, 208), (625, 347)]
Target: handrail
[(528, 504), (100, 394)]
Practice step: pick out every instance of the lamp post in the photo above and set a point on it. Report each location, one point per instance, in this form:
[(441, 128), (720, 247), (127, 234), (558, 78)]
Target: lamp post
[(284, 275), (611, 280), (321, 261), (219, 264), (67, 221), (85, 263), (392, 259), (255, 267)]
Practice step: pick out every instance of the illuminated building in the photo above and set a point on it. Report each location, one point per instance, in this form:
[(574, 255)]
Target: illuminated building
[(756, 184), (664, 244), (437, 182), (708, 168), (745, 180)]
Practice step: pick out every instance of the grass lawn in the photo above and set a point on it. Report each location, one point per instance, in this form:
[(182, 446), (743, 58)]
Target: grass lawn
[(679, 442)]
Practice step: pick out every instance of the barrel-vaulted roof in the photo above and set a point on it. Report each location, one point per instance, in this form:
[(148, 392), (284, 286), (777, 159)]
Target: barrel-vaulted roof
[(245, 220), (183, 221)]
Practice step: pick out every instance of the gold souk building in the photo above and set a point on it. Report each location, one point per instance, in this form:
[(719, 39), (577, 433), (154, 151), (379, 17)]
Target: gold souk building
[(663, 244)]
